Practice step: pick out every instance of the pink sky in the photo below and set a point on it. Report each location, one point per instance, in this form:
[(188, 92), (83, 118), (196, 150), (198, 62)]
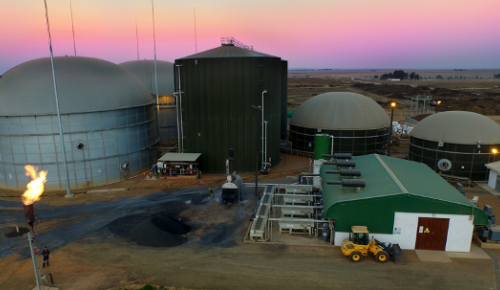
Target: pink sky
[(313, 34)]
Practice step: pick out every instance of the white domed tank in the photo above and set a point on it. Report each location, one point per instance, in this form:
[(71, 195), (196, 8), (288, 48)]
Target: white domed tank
[(456, 143), (358, 124), (107, 116), (144, 70)]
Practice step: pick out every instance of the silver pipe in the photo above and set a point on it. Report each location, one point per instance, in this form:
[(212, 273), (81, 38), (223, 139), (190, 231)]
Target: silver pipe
[(296, 220), (262, 129), (265, 147), (177, 111), (179, 93), (72, 26), (37, 275), (68, 191), (156, 74), (331, 150)]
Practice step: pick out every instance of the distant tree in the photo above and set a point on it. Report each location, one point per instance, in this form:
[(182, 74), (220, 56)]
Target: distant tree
[(416, 77), (400, 74), (497, 76), (375, 77), (387, 76), (439, 77), (412, 76)]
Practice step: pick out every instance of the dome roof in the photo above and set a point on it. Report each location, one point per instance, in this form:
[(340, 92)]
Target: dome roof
[(83, 85), (144, 70), (458, 127), (225, 51), (340, 111)]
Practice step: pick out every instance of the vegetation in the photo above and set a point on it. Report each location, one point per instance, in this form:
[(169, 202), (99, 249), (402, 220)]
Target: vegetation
[(439, 77), (496, 76), (398, 74)]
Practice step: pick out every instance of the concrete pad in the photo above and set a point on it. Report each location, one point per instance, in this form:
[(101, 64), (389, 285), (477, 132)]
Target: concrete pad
[(433, 256), (118, 189), (98, 191), (475, 253), (46, 288)]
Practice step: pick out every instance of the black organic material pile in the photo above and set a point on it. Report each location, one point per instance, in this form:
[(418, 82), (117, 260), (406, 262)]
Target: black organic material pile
[(159, 231)]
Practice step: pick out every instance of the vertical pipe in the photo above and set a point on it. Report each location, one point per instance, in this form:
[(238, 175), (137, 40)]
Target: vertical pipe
[(390, 134), (137, 37), (72, 26), (179, 93), (63, 148), (33, 257), (256, 155), (177, 112), (195, 37), (262, 133), (265, 147), (156, 75), (331, 149)]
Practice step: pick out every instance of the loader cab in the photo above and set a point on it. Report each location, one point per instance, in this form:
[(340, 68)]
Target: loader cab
[(360, 235)]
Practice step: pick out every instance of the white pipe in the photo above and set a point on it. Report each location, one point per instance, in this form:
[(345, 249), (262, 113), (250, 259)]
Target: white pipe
[(179, 94), (265, 147), (331, 150), (262, 135)]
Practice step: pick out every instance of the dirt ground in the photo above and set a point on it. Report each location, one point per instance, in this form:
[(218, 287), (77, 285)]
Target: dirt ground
[(90, 248)]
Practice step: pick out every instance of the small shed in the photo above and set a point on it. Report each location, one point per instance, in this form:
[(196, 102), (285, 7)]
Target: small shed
[(403, 202), (494, 176), (179, 164)]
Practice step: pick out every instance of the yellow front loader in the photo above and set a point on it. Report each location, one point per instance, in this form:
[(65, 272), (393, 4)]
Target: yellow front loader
[(359, 244)]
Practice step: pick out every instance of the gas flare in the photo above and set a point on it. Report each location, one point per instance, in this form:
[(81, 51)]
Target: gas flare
[(35, 187)]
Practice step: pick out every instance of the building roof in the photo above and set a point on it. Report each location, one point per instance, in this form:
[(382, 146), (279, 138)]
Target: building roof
[(458, 127), (179, 157), (226, 51), (392, 176), (340, 111), (144, 70), (495, 166), (83, 84)]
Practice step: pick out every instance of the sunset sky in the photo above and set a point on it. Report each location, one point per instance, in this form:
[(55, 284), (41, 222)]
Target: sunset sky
[(344, 34)]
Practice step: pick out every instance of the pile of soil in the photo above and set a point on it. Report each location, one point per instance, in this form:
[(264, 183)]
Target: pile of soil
[(159, 231)]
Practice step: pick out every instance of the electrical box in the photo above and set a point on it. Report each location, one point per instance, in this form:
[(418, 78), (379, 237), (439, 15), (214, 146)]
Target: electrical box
[(488, 209)]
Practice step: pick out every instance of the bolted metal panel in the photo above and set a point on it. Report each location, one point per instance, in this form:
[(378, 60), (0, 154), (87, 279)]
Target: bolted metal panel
[(217, 113), (101, 147), (284, 98)]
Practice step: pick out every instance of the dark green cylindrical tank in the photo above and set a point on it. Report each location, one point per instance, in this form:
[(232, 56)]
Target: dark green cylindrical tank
[(219, 88), (321, 145)]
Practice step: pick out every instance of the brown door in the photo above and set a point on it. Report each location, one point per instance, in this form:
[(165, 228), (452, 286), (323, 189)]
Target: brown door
[(432, 234)]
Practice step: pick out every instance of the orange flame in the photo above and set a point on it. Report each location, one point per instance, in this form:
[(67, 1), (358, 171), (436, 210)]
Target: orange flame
[(35, 187)]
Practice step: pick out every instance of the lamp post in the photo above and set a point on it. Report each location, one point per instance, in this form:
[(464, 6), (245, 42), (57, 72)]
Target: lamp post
[(257, 108), (437, 104), (393, 105)]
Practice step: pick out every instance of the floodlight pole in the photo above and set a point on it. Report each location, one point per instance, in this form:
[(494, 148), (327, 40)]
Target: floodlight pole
[(257, 150), (63, 148)]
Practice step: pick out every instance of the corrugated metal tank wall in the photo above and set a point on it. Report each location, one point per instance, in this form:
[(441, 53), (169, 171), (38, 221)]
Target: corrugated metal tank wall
[(217, 113), (97, 146), (284, 98)]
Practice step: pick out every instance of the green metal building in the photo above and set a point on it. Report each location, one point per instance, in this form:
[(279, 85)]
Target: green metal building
[(398, 197), (219, 88)]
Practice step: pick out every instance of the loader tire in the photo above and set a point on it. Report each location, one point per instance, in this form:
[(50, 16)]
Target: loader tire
[(356, 256), (382, 257)]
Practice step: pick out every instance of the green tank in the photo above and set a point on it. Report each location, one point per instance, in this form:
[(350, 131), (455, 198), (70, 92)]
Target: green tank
[(321, 146)]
